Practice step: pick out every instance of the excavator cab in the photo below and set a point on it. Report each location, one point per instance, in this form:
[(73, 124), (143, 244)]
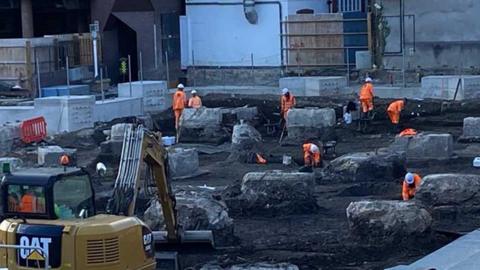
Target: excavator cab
[(48, 193), (51, 221)]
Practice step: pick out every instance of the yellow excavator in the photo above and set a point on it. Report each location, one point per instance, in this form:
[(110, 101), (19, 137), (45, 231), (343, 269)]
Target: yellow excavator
[(51, 221)]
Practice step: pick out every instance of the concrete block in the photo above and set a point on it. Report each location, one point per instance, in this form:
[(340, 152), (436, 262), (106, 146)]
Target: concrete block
[(117, 131), (65, 90), (314, 86), (444, 87), (182, 162), (202, 118), (310, 123), (66, 113), (49, 156), (425, 146), (155, 94), (108, 110), (471, 128), (203, 125)]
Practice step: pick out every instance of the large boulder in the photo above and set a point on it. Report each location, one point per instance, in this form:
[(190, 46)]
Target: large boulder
[(450, 195), (182, 163), (273, 193), (366, 167), (202, 125), (255, 266), (196, 210), (245, 137), (310, 123), (388, 220), (471, 129), (425, 146)]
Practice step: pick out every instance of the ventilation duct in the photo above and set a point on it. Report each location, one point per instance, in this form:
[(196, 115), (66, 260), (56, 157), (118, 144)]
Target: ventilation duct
[(250, 12)]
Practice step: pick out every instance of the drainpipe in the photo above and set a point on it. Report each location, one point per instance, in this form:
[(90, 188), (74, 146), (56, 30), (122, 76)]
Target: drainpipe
[(26, 11), (256, 3)]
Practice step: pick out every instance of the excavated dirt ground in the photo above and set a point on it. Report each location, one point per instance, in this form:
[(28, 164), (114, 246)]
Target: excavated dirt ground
[(322, 240)]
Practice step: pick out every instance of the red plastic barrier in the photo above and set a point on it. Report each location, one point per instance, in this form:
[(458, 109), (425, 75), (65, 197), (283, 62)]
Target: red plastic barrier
[(33, 130)]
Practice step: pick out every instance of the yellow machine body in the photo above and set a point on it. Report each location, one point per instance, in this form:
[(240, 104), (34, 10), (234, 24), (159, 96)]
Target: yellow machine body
[(100, 242)]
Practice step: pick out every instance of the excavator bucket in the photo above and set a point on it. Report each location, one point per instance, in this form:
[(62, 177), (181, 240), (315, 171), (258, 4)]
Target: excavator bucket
[(187, 237)]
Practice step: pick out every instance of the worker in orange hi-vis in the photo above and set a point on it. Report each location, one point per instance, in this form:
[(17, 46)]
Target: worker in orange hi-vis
[(394, 110), (287, 102), (366, 97), (311, 155), (410, 185), (195, 101), (179, 103)]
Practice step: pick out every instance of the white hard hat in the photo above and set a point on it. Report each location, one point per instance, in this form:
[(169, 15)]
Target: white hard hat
[(314, 148), (194, 91), (180, 86), (368, 79), (409, 178), (284, 91)]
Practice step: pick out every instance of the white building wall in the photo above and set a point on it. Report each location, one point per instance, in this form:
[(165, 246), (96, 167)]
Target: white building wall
[(216, 33)]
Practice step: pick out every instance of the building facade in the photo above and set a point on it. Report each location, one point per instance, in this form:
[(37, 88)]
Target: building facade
[(432, 35)]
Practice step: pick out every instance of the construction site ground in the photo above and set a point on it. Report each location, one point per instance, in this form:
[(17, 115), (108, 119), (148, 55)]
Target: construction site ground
[(322, 240)]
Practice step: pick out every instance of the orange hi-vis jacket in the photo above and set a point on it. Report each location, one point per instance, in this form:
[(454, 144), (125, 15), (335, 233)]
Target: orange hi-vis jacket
[(409, 192), (408, 132), (311, 155), (179, 100), (396, 106), (28, 204), (394, 110), (195, 102), (366, 92), (287, 103)]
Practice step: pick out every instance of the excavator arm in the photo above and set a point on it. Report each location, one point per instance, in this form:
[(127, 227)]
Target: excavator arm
[(142, 147)]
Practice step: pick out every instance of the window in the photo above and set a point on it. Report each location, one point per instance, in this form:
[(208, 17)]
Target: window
[(72, 196), (305, 11), (26, 199)]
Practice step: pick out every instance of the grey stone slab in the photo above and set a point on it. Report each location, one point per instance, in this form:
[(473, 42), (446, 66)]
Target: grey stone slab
[(314, 86), (471, 127), (425, 146)]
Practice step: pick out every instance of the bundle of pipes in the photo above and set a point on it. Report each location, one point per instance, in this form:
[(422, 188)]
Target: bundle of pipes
[(129, 171)]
